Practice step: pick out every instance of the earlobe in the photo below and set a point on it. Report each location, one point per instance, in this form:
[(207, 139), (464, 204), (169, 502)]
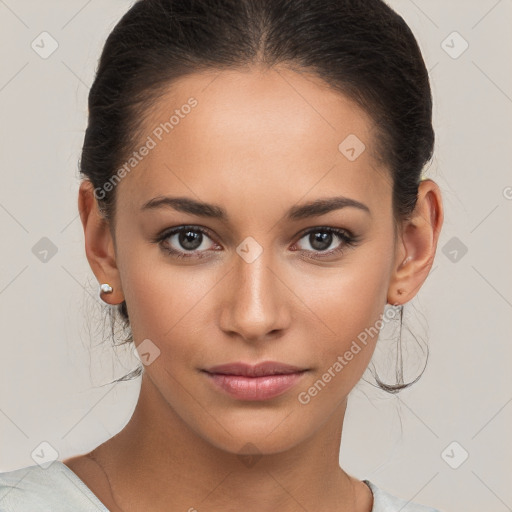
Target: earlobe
[(99, 245), (419, 239)]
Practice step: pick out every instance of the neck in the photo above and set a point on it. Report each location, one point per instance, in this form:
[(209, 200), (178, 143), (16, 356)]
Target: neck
[(158, 463)]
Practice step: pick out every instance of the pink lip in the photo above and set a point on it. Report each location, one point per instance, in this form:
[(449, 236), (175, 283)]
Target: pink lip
[(259, 382)]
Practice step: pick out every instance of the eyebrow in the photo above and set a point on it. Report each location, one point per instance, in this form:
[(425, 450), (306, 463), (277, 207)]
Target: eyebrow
[(311, 209)]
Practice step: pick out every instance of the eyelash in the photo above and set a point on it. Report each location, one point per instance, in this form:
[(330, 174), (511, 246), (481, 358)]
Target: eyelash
[(348, 239)]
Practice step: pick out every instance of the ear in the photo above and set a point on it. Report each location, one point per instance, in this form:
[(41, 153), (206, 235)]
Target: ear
[(99, 244), (417, 244)]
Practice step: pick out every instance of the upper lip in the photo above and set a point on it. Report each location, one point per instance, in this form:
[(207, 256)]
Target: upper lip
[(258, 370)]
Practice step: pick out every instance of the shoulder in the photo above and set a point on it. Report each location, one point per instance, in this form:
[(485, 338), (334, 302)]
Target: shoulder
[(50, 489), (385, 502)]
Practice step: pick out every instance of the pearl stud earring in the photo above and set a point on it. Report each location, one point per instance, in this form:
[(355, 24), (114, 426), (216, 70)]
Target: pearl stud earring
[(105, 288)]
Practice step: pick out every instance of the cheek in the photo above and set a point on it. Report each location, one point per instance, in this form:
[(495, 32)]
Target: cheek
[(348, 308), (166, 302)]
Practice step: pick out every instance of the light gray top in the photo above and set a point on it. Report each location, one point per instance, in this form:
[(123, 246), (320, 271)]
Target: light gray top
[(58, 489)]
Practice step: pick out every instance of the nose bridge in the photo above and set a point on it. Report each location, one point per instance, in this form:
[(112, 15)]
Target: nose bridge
[(255, 306)]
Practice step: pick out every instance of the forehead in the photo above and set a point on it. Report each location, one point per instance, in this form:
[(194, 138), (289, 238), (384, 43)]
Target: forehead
[(257, 134)]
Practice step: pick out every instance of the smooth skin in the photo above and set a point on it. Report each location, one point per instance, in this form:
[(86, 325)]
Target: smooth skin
[(258, 143)]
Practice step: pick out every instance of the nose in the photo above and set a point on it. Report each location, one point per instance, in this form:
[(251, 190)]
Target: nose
[(255, 306)]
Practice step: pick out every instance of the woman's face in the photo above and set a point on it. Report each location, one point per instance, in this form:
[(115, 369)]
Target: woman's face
[(260, 284)]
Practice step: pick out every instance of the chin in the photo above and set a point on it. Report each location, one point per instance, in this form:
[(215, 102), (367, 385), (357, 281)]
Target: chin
[(259, 436)]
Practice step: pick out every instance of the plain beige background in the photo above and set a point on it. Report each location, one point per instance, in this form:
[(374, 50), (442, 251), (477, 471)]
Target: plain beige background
[(56, 367)]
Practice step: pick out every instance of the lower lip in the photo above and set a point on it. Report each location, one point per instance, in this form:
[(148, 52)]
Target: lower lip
[(254, 388)]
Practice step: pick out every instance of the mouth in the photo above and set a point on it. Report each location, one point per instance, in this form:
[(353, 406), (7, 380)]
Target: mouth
[(259, 370), (254, 382)]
